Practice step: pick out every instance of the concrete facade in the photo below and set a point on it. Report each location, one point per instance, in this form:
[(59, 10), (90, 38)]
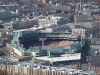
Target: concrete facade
[(26, 69), (52, 20), (24, 24), (80, 18)]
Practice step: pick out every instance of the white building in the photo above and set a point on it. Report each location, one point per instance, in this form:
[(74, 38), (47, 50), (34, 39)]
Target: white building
[(52, 20)]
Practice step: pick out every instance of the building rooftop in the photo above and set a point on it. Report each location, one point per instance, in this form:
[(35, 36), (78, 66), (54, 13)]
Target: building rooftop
[(50, 17), (66, 70), (10, 5), (66, 57)]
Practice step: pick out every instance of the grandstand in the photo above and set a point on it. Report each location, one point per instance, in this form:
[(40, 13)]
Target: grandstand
[(50, 45)]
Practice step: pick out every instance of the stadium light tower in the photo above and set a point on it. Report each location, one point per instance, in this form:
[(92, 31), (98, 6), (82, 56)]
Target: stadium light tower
[(80, 4)]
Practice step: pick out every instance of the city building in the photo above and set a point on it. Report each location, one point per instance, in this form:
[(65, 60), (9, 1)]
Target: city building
[(45, 1), (11, 7), (80, 18), (79, 31), (27, 68), (52, 20), (5, 15), (8, 25), (5, 36), (24, 24)]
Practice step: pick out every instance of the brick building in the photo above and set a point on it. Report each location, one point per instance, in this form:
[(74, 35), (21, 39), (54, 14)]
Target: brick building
[(45, 1)]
